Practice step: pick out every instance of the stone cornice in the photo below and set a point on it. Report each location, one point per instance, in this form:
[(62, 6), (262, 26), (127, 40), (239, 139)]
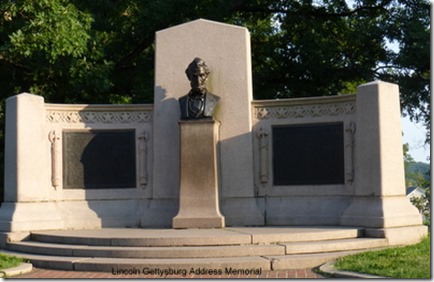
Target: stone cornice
[(304, 107), (107, 114)]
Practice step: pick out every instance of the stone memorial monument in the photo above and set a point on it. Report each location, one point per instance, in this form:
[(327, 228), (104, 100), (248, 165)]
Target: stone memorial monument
[(198, 198), (207, 155)]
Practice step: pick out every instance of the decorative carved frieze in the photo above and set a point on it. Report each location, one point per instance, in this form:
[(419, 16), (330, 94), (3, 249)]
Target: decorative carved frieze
[(54, 116), (302, 111)]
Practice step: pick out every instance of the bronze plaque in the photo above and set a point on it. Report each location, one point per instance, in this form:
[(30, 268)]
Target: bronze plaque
[(99, 159), (310, 154)]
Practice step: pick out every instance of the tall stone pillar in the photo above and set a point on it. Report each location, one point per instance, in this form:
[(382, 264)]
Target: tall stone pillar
[(27, 204), (226, 50), (380, 203), (198, 196)]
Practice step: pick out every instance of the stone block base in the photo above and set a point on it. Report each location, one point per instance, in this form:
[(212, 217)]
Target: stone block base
[(159, 212), (100, 213), (302, 211), (26, 216), (381, 212), (399, 235), (199, 222), (243, 211)]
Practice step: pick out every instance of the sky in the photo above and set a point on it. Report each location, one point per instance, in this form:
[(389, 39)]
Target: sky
[(414, 135)]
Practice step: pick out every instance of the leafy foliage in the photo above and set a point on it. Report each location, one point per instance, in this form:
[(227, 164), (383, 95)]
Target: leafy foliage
[(418, 174), (8, 261), (102, 51), (41, 41), (328, 47)]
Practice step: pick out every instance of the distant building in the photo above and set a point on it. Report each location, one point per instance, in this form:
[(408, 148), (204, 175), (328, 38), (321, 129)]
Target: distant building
[(415, 192)]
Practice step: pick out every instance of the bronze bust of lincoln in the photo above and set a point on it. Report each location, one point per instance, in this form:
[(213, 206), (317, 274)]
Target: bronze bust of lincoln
[(198, 103)]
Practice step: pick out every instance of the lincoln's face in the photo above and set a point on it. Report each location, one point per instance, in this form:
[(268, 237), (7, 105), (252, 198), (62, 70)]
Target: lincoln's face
[(198, 77)]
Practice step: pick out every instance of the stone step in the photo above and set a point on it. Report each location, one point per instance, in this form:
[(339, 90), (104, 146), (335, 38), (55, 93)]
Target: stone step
[(334, 245), (114, 264), (43, 248), (265, 248), (269, 235), (301, 261), (263, 263), (196, 251), (194, 237), (143, 237)]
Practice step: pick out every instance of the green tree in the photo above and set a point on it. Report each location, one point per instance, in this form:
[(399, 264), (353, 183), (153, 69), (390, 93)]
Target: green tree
[(325, 47), (40, 42), (102, 51)]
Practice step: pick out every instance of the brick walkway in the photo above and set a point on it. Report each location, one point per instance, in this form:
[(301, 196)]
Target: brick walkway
[(59, 274)]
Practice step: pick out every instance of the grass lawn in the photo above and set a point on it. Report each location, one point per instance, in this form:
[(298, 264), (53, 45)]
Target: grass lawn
[(7, 261), (401, 262)]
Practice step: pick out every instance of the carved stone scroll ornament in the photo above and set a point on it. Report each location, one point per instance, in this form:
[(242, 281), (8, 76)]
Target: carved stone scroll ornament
[(350, 130), (143, 155), (262, 135), (54, 137)]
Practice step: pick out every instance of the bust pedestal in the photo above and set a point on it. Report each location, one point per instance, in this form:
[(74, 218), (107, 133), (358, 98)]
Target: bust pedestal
[(198, 196)]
